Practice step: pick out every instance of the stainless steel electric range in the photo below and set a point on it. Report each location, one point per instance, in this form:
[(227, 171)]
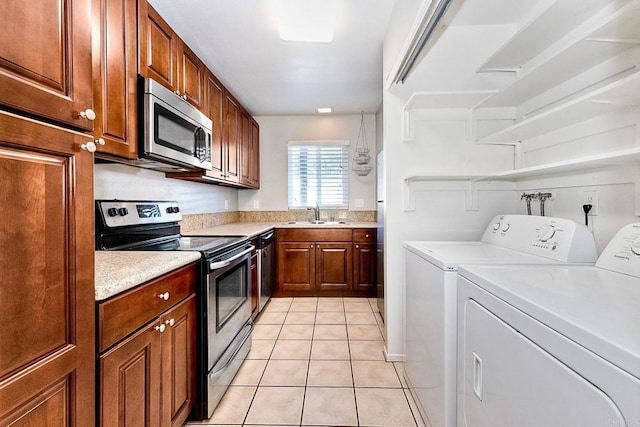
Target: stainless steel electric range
[(223, 291)]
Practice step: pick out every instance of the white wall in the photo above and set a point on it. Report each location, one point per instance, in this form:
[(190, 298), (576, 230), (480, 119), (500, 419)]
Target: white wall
[(277, 131), (115, 181)]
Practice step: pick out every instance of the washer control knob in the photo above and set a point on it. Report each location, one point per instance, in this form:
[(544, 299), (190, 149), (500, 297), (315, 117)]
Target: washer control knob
[(496, 226), (635, 247), (506, 227), (546, 233)]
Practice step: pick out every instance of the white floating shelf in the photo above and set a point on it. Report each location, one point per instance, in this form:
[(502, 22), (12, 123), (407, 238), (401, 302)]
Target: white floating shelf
[(444, 100), (625, 157), (615, 96), (543, 30), (587, 48)]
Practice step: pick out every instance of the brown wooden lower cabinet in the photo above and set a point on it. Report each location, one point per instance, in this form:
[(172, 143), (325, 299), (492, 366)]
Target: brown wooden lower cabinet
[(329, 265), (255, 292), (148, 378)]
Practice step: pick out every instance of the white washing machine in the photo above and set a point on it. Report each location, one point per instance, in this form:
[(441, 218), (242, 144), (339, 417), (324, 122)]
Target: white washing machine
[(430, 295), (553, 346)]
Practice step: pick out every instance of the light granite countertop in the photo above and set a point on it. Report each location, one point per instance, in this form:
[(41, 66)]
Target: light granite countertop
[(252, 229), (117, 271)]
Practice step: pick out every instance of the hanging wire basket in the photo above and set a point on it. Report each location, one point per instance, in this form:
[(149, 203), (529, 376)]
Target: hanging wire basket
[(362, 159)]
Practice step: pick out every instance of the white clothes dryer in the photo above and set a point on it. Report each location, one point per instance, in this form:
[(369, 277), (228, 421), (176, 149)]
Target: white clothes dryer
[(430, 296), (549, 345)]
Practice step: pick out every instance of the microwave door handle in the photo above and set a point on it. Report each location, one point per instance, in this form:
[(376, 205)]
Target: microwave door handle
[(226, 262)]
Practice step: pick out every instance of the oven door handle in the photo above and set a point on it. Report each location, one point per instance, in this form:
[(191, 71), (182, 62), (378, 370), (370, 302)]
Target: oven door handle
[(221, 264), (250, 325)]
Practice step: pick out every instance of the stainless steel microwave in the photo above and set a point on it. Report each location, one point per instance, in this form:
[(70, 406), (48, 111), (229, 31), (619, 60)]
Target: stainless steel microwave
[(173, 131)]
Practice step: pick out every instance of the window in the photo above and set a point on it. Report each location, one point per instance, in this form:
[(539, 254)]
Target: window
[(319, 173)]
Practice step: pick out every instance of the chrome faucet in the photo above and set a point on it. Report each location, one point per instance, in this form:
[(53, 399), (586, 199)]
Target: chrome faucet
[(316, 211)]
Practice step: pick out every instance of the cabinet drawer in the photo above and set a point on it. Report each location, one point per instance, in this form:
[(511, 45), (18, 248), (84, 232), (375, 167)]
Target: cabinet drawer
[(125, 313), (314, 235), (364, 235)]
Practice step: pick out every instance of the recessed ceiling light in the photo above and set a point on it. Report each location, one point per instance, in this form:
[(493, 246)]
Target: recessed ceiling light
[(306, 20), (324, 110)]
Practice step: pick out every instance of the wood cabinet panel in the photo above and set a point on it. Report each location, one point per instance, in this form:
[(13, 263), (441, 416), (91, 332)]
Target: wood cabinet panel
[(254, 156), (124, 313), (178, 363), (115, 72), (130, 381), (364, 268), (333, 267), (245, 148), (231, 138), (296, 267), (215, 107), (158, 47), (314, 234), (191, 75), (47, 292), (364, 235), (45, 59)]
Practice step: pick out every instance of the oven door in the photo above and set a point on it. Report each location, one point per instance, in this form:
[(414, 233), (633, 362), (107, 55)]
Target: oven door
[(228, 302)]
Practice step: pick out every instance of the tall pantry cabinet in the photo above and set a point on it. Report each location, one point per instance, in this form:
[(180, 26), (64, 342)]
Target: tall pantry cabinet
[(46, 204)]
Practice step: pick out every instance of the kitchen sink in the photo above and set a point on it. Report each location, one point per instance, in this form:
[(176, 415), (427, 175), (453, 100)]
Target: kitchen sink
[(317, 222)]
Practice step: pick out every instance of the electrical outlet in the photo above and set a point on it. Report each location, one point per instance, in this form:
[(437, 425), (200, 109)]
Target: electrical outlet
[(226, 204), (256, 204), (591, 198), (342, 215)]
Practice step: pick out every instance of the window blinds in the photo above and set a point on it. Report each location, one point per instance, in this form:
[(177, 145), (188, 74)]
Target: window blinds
[(319, 174)]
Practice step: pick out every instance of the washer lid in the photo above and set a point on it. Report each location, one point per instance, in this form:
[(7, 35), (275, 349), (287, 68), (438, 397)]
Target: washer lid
[(449, 255), (597, 308)]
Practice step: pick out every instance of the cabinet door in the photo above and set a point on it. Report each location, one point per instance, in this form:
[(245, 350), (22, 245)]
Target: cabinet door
[(115, 72), (254, 177), (45, 59), (364, 268), (215, 108), (296, 267), (191, 76), (47, 285), (130, 381), (245, 148), (178, 363), (333, 266), (231, 137), (158, 47)]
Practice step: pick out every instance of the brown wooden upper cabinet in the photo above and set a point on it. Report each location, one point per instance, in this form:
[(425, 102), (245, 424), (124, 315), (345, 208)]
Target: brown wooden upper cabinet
[(214, 92), (231, 137), (45, 60), (158, 47), (165, 58), (254, 155), (191, 76), (115, 73)]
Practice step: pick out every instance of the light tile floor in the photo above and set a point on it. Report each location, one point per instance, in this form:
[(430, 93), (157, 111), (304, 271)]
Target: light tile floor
[(317, 362)]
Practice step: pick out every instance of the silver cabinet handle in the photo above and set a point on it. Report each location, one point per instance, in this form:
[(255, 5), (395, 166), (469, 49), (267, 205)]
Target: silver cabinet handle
[(366, 236), (184, 97), (164, 296), (89, 146), (170, 322), (311, 246), (88, 114), (160, 328), (357, 246), (177, 92)]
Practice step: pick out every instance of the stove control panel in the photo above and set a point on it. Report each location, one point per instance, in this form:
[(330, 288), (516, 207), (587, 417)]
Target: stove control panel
[(559, 239), (120, 214)]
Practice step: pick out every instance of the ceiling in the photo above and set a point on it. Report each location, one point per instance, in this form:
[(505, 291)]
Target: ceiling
[(239, 41)]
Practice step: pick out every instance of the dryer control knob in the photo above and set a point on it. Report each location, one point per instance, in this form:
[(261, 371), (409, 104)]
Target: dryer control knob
[(546, 233), (496, 226), (635, 247), (506, 227)]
